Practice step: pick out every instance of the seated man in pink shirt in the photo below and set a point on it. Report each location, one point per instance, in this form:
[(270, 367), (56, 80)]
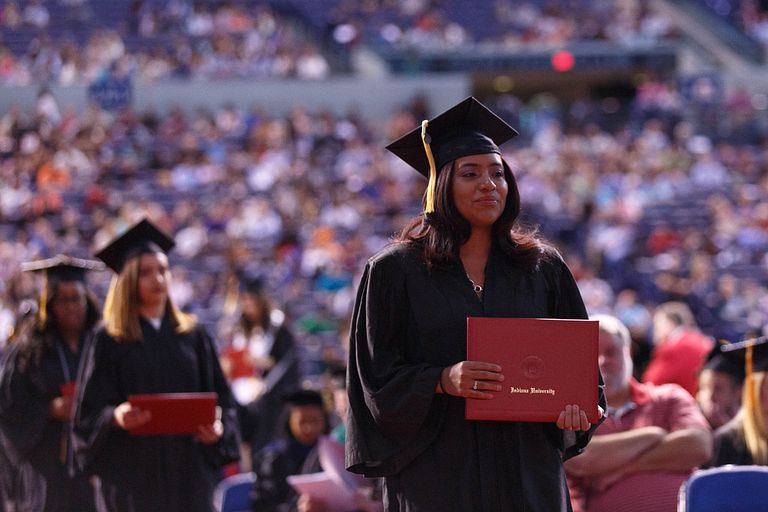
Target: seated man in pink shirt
[(653, 437), (680, 348)]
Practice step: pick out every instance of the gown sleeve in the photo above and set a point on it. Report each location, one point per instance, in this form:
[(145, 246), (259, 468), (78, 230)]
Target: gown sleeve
[(98, 392), (729, 446), (284, 375), (227, 449), (567, 303), (391, 389), (24, 414)]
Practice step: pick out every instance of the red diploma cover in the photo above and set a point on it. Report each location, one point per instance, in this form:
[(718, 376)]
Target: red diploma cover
[(175, 413), (67, 389), (238, 362), (547, 364)]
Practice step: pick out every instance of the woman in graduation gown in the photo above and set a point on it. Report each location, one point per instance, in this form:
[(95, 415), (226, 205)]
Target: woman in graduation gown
[(744, 439), (407, 374), (36, 391), (259, 360), (149, 346)]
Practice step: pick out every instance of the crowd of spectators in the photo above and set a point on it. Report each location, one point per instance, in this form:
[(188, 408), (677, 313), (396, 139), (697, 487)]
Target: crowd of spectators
[(749, 16), (60, 42), (660, 209), (502, 24), (177, 40)]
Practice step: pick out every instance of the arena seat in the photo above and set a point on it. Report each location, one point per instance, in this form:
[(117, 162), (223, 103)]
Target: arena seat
[(732, 488)]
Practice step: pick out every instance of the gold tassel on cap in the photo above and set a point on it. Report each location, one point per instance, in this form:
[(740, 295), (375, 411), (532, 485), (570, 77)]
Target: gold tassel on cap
[(751, 394), (753, 422), (425, 139), (43, 303), (748, 378)]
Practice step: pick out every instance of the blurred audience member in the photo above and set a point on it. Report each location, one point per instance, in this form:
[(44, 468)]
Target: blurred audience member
[(259, 359), (720, 388), (291, 451), (744, 440), (338, 386), (653, 437), (680, 348), (637, 318), (302, 447)]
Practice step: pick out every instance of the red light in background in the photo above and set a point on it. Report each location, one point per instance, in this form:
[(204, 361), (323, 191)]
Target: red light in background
[(563, 61)]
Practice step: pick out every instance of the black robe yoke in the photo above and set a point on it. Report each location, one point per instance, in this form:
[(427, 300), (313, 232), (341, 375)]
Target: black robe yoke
[(34, 442), (730, 445), (408, 325), (151, 473)]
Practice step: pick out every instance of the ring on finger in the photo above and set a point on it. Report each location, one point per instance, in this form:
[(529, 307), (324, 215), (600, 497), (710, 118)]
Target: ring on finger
[(474, 386)]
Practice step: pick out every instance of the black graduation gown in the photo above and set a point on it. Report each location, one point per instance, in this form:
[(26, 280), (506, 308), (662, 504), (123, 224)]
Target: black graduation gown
[(151, 473), (7, 469), (730, 446), (408, 324), (7, 482), (36, 444), (259, 419)]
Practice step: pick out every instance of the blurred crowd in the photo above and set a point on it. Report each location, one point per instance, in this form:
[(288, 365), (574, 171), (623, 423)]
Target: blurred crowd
[(749, 16), (502, 24), (663, 204), (151, 41), (657, 202), (61, 42), (665, 207)]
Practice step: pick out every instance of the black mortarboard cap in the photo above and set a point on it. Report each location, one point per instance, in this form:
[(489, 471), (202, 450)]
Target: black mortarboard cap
[(143, 237), (759, 353), (467, 128), (304, 397), (755, 359), (63, 268), (729, 363), (252, 284), (60, 268)]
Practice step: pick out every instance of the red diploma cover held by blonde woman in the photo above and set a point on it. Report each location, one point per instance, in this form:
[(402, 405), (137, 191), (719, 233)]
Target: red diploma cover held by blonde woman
[(174, 413), (548, 364)]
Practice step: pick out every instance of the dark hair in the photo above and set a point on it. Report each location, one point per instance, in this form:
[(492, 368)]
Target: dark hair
[(41, 337), (441, 236), (303, 398), (265, 304)]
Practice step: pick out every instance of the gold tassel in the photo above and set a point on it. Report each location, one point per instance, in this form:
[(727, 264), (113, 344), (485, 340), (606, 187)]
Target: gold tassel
[(42, 315), (425, 139), (750, 405)]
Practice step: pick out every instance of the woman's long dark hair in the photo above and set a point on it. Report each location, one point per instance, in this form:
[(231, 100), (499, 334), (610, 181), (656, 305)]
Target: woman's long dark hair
[(266, 305), (446, 230)]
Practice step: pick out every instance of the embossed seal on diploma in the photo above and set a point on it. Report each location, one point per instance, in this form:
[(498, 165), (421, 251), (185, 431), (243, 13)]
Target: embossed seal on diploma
[(533, 367)]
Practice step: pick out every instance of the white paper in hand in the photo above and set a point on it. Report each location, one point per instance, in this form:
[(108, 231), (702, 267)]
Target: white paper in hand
[(320, 486)]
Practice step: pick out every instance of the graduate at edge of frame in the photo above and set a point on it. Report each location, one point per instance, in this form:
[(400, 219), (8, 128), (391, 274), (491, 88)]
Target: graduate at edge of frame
[(37, 379)]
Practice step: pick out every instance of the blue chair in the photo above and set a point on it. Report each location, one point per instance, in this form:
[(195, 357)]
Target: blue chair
[(725, 489), (233, 493)]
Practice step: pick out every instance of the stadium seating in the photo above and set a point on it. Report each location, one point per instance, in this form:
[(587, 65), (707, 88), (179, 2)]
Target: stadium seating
[(728, 488), (233, 493)]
